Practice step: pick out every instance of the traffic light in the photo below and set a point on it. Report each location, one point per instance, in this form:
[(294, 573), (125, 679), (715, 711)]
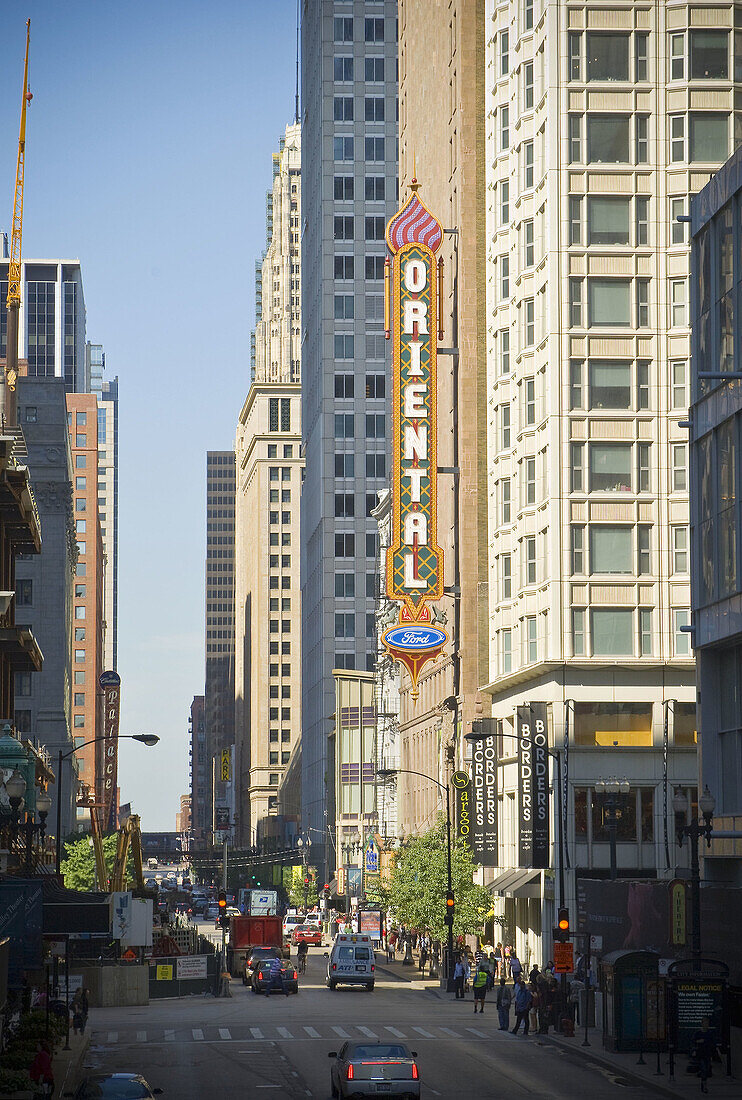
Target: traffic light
[(222, 903), (449, 908), (561, 932)]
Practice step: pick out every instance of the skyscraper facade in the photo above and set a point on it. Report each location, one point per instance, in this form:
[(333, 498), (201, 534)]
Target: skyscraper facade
[(349, 190), (200, 813), (269, 476), (219, 679), (107, 392)]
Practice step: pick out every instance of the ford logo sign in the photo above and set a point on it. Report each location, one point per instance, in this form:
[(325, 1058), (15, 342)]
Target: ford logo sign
[(415, 637)]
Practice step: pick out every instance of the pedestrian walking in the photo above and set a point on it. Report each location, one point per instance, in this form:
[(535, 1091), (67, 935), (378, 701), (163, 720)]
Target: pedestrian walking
[(41, 1071), (535, 1005), (423, 955), (504, 1000), (535, 975), (704, 1050), (458, 979), (467, 971), (522, 1006), (516, 968), (276, 977), (480, 987)]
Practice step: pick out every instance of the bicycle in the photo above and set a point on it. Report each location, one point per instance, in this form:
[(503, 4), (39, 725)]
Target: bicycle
[(301, 964)]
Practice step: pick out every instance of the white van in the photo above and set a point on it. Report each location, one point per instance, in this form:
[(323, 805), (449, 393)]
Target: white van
[(290, 922), (351, 962)]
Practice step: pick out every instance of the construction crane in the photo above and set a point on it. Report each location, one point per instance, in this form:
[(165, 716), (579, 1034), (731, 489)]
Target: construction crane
[(129, 835), (9, 400)]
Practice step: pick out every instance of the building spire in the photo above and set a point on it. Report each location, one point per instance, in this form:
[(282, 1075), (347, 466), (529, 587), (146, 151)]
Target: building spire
[(414, 185)]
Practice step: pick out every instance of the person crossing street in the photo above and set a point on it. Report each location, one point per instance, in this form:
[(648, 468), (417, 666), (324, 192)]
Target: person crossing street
[(522, 1006)]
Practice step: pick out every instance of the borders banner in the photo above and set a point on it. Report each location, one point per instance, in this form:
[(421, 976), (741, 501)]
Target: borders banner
[(462, 806), (533, 782), (110, 682), (484, 802)]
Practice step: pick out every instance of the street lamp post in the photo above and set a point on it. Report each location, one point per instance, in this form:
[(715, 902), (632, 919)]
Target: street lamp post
[(612, 791), (148, 739), (385, 773), (15, 787), (304, 845), (694, 831), (349, 846)]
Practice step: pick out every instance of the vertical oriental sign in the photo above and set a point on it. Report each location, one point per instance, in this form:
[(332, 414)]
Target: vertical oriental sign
[(533, 780), (484, 797), (110, 682), (414, 558)]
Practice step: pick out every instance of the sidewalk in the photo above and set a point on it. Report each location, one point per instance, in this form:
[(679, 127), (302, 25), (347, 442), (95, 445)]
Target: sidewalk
[(624, 1064), (67, 1063), (410, 974)]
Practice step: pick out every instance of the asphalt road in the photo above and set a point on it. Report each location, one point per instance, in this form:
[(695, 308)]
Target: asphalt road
[(201, 1047)]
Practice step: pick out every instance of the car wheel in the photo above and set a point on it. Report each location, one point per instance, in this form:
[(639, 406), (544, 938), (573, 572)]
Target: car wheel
[(370, 987), (333, 1089), (331, 983), (244, 980)]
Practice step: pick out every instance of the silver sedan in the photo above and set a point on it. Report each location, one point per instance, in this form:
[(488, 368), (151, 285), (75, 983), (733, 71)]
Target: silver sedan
[(373, 1069)]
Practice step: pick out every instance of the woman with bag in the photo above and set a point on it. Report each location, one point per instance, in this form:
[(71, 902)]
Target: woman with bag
[(41, 1071)]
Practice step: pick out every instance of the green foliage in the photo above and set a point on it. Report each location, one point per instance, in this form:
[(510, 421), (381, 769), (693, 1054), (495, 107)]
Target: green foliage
[(13, 1080), (295, 887), (418, 884), (78, 869)]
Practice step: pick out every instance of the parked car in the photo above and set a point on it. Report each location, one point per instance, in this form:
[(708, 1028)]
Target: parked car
[(365, 1069), (114, 1086), (307, 933), (261, 977)]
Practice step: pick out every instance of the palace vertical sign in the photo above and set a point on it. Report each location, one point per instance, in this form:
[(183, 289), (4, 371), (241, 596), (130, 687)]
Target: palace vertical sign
[(414, 559), (533, 780), (110, 682)]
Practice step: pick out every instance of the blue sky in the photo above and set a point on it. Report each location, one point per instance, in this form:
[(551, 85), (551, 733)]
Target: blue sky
[(148, 156)]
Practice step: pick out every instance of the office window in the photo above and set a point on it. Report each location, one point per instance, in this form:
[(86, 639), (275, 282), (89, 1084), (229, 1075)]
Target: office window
[(677, 296), (374, 229), (374, 108), (504, 202), (528, 164), (644, 550), (374, 147), (575, 219), (373, 30), (344, 347), (372, 587), (81, 419), (575, 303), (528, 246), (574, 47), (609, 302), (344, 307), (285, 419), (375, 426), (506, 574), (31, 414), (643, 467), (578, 549), (578, 632), (528, 85), (344, 188), (530, 323), (576, 467), (505, 500), (679, 384), (79, 677), (531, 639), (344, 505), (375, 465), (528, 14), (374, 70), (344, 425), (679, 467), (612, 632), (645, 632), (342, 108), (530, 553), (79, 724), (608, 220), (344, 267), (504, 427), (574, 129), (504, 52), (504, 276), (342, 148), (375, 385), (371, 546), (343, 228), (642, 384), (80, 591), (610, 384), (79, 656), (81, 483), (344, 385), (641, 138), (607, 56), (641, 53), (81, 462), (343, 28), (575, 383), (610, 467), (80, 611), (530, 401), (504, 351), (680, 549), (608, 139), (504, 127), (610, 550), (709, 136), (79, 633), (682, 637), (677, 57), (374, 268), (530, 480), (81, 504), (709, 55), (345, 545), (677, 138), (642, 220), (343, 70), (344, 464), (506, 639), (642, 303), (677, 228)]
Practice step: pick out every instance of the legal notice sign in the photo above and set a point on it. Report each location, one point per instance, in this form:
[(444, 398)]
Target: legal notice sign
[(533, 781), (414, 558)]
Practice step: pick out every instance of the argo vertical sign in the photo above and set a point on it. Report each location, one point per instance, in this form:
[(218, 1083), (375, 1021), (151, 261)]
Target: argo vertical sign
[(484, 802), (533, 781), (414, 559), (110, 682)]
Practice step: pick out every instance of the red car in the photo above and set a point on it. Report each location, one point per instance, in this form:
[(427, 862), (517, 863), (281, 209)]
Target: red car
[(307, 933)]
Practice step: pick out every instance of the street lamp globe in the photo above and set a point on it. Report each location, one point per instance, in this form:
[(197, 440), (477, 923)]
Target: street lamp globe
[(624, 786), (15, 786), (707, 803), (680, 803), (299, 842), (600, 786), (148, 739), (43, 804), (612, 785), (309, 842)]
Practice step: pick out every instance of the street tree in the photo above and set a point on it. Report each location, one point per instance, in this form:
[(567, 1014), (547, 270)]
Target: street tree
[(295, 888), (418, 884), (78, 869)]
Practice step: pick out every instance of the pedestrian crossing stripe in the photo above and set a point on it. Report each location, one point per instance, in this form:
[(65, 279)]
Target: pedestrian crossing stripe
[(396, 1032), (197, 1033), (284, 1034), (312, 1033), (224, 1033)]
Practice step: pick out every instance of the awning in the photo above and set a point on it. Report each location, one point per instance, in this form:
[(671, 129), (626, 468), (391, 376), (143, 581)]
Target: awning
[(517, 884)]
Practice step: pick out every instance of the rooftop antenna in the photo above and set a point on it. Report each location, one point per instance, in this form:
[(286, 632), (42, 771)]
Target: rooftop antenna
[(296, 99)]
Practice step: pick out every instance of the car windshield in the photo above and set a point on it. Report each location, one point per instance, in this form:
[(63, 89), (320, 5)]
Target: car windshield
[(116, 1089), (382, 1050)]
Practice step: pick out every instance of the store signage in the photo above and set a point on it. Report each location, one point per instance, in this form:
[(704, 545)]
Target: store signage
[(414, 559), (533, 782), (226, 766), (110, 682), (678, 918), (371, 858), (462, 806), (484, 802)]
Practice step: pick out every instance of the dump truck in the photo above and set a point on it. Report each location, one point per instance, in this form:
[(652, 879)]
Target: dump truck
[(247, 933)]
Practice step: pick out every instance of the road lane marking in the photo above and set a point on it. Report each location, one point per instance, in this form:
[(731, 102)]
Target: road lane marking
[(425, 1034), (395, 1031), (197, 1033), (341, 1032), (141, 1036), (312, 1033), (474, 1031), (368, 1033), (256, 1033), (284, 1033), (113, 1036), (169, 1036), (449, 1031), (224, 1033), (267, 1086)]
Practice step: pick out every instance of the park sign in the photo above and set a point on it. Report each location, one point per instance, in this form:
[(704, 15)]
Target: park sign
[(414, 566)]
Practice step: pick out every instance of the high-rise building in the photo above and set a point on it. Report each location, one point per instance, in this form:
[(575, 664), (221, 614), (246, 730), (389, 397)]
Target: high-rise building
[(45, 582), (108, 490), (199, 757), (51, 322), (183, 816), (269, 477), (219, 681), (349, 190), (87, 603)]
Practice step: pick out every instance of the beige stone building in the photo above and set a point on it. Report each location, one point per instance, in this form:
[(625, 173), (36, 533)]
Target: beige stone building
[(441, 134), (269, 479)]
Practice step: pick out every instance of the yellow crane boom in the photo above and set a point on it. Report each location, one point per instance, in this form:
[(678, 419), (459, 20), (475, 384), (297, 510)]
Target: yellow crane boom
[(129, 834), (15, 267)]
